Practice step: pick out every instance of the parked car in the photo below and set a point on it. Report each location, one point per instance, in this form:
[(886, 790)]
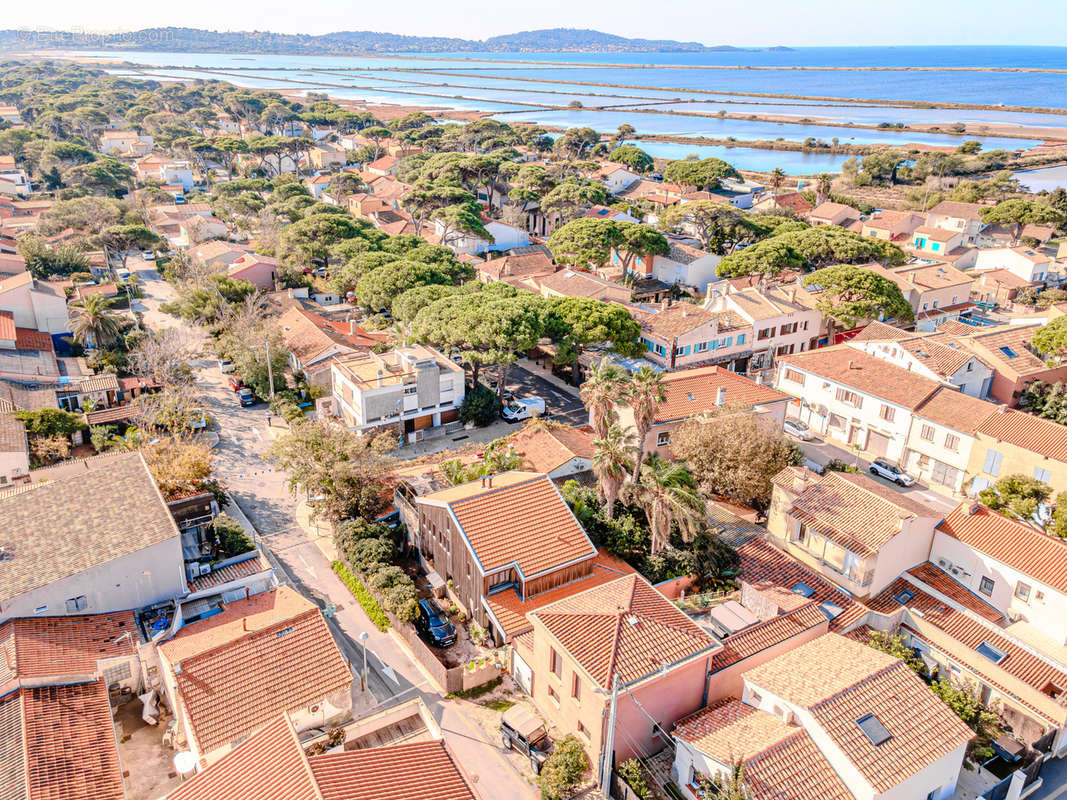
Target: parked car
[(794, 427), (179, 199), (891, 472), (148, 255), (521, 730), (246, 396), (225, 366), (434, 625), (523, 408), (236, 383)]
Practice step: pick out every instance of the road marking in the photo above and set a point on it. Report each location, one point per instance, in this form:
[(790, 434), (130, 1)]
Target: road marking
[(390, 673), (311, 570), (257, 433)]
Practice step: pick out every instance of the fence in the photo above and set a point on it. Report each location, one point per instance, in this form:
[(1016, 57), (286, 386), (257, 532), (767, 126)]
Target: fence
[(620, 790), (1003, 789), (449, 679)]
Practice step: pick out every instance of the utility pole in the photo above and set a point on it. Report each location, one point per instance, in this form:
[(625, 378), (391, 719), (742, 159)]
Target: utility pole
[(270, 370), (606, 757)]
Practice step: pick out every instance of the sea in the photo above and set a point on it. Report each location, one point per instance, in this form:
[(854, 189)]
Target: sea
[(816, 92)]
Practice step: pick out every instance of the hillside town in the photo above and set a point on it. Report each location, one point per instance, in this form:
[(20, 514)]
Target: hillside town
[(351, 451)]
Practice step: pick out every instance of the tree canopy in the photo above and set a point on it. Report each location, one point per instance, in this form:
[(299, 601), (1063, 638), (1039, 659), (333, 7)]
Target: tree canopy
[(852, 294)]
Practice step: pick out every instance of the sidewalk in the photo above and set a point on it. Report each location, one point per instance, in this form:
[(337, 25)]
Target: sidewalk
[(320, 532)]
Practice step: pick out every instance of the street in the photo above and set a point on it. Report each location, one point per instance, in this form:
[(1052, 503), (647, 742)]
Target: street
[(263, 495)]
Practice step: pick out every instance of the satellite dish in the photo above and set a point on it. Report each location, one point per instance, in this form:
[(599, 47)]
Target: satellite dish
[(184, 762)]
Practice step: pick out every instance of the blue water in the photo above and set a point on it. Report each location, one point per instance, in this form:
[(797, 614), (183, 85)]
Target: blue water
[(1044, 178), (484, 81)]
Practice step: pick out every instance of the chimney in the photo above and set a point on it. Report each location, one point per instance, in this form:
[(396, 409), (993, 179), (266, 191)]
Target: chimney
[(244, 623), (720, 396), (911, 276), (851, 364), (352, 326), (708, 294), (800, 482), (507, 266), (381, 380), (483, 481), (793, 293), (972, 509)]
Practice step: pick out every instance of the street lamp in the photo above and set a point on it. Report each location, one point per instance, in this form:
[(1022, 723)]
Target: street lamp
[(363, 637)]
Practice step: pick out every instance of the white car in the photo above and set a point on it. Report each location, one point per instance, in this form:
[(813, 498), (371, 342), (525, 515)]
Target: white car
[(523, 408), (225, 366), (891, 472), (794, 427), (148, 255)]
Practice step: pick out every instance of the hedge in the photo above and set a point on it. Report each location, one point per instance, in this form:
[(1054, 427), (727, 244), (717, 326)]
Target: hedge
[(362, 595)]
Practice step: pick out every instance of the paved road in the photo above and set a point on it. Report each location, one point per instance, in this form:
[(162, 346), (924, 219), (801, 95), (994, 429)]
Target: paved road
[(560, 405), (263, 495)]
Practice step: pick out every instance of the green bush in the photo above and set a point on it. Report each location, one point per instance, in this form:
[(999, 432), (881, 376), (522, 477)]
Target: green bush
[(362, 594), (230, 536), (633, 776), (837, 465), (563, 769), (480, 406), (50, 422), (397, 592)]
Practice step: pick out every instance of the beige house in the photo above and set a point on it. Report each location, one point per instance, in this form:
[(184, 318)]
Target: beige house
[(890, 226), (963, 218), (829, 213)]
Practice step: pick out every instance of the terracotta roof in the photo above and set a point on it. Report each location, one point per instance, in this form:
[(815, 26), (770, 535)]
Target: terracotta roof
[(1006, 348), (876, 331), (939, 580), (887, 218), (29, 339), (694, 391), (570, 283), (829, 210), (1042, 557), (770, 632), (1040, 436), (53, 647), (940, 357), (520, 519), (230, 572), (965, 633), (309, 337), (272, 765), (546, 449), (510, 610), (623, 628), (794, 201), (60, 528), (856, 512), (681, 318), (67, 742), (865, 373), (764, 565), (956, 410), (950, 208), (271, 652), (937, 234), (933, 276), (781, 761)]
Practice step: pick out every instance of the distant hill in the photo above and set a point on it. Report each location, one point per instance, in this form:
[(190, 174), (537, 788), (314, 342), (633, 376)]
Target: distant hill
[(344, 42)]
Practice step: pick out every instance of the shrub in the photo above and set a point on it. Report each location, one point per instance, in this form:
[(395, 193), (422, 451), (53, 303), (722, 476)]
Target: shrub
[(633, 776), (230, 536), (563, 769), (397, 591), (837, 465), (480, 406), (50, 422), (362, 594)]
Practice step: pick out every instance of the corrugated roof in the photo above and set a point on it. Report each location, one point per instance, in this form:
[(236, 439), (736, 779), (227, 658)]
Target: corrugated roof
[(1042, 557)]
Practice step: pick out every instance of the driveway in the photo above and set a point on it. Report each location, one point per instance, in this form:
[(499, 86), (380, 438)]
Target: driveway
[(561, 406), (264, 497)]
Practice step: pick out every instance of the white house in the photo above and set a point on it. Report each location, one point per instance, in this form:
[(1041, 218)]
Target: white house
[(684, 265), (505, 237), (1023, 262), (125, 143), (615, 177), (831, 719), (942, 437), (33, 304), (13, 179), (965, 218)]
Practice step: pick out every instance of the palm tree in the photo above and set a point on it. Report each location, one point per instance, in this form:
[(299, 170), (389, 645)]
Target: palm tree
[(94, 323), (603, 387), (823, 184), (777, 179), (612, 454), (668, 494), (644, 393)]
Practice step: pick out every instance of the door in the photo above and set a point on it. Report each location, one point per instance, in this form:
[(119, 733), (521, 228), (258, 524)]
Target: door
[(877, 443), (521, 671)]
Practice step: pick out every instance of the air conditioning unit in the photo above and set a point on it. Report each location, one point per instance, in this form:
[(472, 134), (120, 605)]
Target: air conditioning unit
[(1014, 616), (944, 563)]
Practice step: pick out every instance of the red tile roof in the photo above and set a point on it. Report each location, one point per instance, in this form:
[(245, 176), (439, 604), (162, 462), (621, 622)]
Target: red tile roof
[(1041, 436), (50, 647), (269, 653), (624, 628), (230, 572), (510, 610), (956, 410), (941, 581), (694, 391), (856, 512), (29, 339), (547, 449), (1042, 557), (520, 519), (764, 564), (768, 633)]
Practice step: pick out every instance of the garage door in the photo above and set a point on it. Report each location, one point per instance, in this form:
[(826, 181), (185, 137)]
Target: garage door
[(521, 671), (877, 443)]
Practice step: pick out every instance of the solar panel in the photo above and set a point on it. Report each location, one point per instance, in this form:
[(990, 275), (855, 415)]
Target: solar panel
[(803, 589), (904, 596), (992, 652), (873, 729)]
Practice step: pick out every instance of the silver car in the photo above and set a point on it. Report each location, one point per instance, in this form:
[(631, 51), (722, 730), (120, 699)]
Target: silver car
[(794, 427), (891, 472)]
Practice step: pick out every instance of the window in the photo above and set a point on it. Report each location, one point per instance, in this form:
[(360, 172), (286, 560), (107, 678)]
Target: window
[(992, 462), (794, 377), (766, 333), (701, 347), (849, 398), (887, 413), (663, 438), (986, 586), (1022, 591), (873, 729), (76, 604), (755, 697), (413, 389), (40, 609), (952, 442), (831, 610), (802, 589), (553, 695), (555, 663), (904, 596), (787, 329), (927, 433), (1042, 474), (576, 687), (991, 651), (740, 339), (285, 631)]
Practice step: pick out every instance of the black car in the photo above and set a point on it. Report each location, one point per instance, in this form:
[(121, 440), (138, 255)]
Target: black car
[(521, 730), (433, 624)]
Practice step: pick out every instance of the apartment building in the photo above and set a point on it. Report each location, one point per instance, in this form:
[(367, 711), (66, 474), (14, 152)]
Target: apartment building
[(407, 390), (685, 335)]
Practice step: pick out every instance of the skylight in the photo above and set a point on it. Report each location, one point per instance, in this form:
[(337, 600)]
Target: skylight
[(1009, 352), (992, 652), (803, 589), (690, 395), (904, 596), (873, 729), (831, 611)]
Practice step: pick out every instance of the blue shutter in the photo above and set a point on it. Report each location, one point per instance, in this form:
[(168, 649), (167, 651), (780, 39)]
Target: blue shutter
[(729, 341), (1042, 474), (992, 463), (740, 338)]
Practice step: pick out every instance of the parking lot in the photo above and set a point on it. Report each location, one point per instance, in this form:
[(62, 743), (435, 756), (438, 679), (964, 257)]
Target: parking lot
[(559, 405)]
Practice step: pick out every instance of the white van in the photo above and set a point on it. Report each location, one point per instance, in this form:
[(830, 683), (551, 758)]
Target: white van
[(523, 408)]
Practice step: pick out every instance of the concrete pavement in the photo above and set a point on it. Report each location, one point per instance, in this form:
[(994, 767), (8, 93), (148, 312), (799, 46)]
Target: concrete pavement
[(263, 495)]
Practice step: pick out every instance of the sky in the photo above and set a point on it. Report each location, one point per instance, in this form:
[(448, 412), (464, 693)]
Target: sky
[(796, 23)]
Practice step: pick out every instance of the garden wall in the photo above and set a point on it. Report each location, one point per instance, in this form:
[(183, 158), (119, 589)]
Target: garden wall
[(672, 589), (448, 679)]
